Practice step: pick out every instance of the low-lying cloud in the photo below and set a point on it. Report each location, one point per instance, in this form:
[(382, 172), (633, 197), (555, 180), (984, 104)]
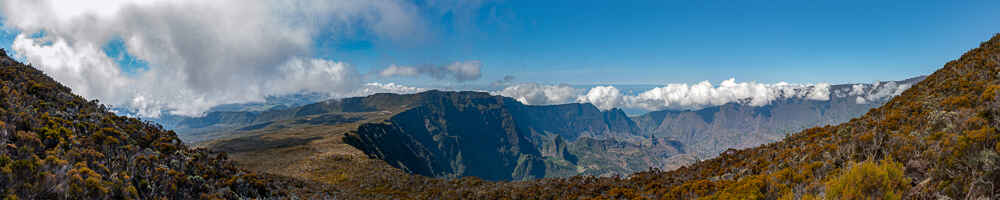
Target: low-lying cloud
[(538, 94), (458, 71), (670, 96), (376, 87), (703, 94), (879, 91)]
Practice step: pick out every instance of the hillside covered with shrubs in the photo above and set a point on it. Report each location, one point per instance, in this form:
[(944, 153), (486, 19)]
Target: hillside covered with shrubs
[(56, 145), (937, 139)]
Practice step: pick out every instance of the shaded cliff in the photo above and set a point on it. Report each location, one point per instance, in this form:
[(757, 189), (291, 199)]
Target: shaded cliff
[(455, 134)]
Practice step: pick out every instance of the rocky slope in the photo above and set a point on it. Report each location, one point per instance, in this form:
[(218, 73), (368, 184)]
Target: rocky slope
[(938, 139), (56, 145)]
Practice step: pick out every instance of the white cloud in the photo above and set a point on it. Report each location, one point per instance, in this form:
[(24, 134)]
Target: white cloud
[(538, 94), (395, 70), (680, 96), (671, 96), (604, 97), (465, 71), (375, 87), (458, 71), (878, 91), (203, 53), (300, 74), (820, 92), (81, 65), (858, 89)]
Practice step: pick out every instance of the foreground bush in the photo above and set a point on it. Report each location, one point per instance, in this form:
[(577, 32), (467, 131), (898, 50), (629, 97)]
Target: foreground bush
[(869, 179)]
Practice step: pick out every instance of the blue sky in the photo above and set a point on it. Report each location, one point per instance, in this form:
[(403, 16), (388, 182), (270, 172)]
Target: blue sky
[(657, 42), (191, 55), (654, 42)]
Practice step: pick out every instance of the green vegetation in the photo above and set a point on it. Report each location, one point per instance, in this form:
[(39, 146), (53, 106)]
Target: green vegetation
[(869, 179), (939, 138), (56, 145)]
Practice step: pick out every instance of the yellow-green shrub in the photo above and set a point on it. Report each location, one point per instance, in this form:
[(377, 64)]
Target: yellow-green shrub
[(881, 180)]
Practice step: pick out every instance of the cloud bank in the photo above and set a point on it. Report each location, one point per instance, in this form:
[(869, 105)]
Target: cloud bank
[(879, 91), (205, 53), (705, 94), (671, 96), (458, 71), (375, 87), (538, 94)]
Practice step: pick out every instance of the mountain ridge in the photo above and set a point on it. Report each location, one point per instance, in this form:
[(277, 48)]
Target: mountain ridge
[(550, 130), (56, 145), (937, 139), (712, 130)]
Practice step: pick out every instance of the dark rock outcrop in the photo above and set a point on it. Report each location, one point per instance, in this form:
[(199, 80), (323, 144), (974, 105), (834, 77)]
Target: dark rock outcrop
[(456, 134)]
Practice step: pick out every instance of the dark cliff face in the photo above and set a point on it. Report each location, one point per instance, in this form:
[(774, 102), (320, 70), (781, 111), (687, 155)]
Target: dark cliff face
[(619, 122), (573, 120), (452, 134), (455, 134)]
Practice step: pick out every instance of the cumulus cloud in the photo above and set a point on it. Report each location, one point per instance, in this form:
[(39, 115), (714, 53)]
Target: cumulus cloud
[(670, 96), (879, 91), (857, 89), (375, 87), (702, 94), (538, 94), (458, 71), (820, 92), (81, 65), (604, 97), (204, 53)]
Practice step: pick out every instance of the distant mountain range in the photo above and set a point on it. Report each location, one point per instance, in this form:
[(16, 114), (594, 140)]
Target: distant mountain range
[(709, 131), (456, 134), (936, 140)]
